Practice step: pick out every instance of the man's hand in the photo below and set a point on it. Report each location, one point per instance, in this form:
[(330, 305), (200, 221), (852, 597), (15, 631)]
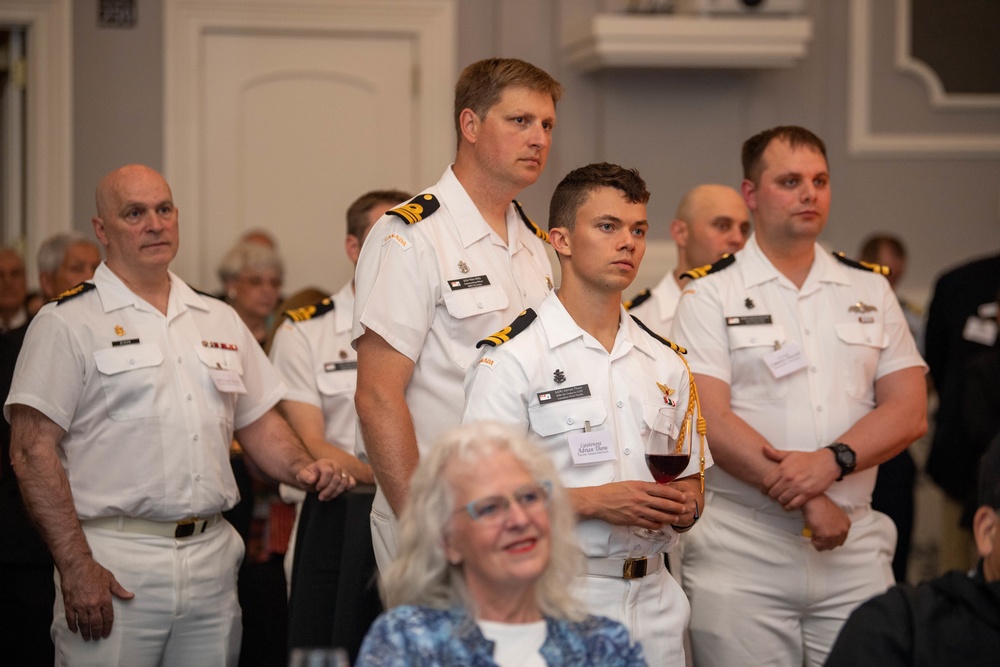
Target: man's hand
[(827, 522), (799, 476), (87, 589), (324, 477), (634, 503)]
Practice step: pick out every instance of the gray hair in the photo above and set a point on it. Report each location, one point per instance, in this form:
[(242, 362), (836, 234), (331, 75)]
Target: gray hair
[(422, 575), (248, 256), (52, 252)]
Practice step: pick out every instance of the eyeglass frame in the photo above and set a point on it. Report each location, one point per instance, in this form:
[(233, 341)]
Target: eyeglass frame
[(545, 486)]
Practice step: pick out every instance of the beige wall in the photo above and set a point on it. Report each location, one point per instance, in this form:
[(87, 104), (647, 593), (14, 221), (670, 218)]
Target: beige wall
[(678, 127)]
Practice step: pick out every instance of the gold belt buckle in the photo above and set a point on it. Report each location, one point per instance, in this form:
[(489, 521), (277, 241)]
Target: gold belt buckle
[(185, 527), (634, 568)]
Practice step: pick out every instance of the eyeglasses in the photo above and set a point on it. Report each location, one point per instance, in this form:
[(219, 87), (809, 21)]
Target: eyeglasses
[(495, 509)]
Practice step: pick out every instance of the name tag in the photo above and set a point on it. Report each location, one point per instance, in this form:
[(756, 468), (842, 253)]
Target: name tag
[(333, 366), (747, 320), (563, 394), (227, 381), (786, 360), (466, 283), (591, 447), (980, 331)]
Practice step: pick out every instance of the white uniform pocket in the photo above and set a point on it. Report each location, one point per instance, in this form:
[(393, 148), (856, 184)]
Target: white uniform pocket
[(131, 381), (469, 303), (752, 380), (553, 422), (863, 343)]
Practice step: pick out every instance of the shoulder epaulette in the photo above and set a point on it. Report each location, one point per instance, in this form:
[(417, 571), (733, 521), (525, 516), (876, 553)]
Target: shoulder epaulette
[(208, 294), (535, 229), (673, 346), (864, 266), (416, 209), (702, 271), (308, 312), (638, 299), (73, 292), (519, 324)]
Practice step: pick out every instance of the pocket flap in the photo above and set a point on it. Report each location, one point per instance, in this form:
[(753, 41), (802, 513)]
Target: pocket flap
[(214, 357), (869, 334), (755, 335), (114, 360), (563, 416), (469, 302)]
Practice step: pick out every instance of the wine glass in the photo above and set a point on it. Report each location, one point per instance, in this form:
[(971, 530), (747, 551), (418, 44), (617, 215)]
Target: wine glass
[(667, 455)]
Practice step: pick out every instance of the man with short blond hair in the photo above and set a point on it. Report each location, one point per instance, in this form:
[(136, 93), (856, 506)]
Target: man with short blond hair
[(459, 259)]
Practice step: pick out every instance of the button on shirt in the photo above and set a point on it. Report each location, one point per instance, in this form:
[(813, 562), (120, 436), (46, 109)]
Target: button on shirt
[(147, 431), (657, 312), (851, 331), (315, 360), (624, 398), (406, 292)]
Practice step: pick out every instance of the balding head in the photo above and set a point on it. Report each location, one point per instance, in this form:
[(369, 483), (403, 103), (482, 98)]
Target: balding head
[(711, 220), (136, 220)]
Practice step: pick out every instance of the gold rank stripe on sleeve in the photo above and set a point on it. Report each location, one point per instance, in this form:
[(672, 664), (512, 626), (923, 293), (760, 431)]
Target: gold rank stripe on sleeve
[(517, 326), (535, 229), (673, 346), (73, 292), (702, 271), (638, 299), (416, 209), (864, 266), (308, 312)]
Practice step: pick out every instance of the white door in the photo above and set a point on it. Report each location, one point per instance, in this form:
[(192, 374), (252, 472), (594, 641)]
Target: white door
[(295, 128)]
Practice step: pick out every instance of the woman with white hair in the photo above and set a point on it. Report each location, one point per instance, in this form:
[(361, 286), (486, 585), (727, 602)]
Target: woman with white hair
[(487, 556), (252, 275)]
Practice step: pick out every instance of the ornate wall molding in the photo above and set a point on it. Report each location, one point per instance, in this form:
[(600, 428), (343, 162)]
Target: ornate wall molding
[(863, 139)]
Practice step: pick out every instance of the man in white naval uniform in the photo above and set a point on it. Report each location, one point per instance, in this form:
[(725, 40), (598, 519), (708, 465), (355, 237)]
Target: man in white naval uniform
[(589, 381), (126, 397), (458, 261), (710, 221), (809, 378)]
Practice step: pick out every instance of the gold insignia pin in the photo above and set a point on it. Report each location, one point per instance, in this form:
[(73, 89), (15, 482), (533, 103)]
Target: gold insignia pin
[(119, 331), (343, 354), (548, 281), (463, 267), (862, 307), (665, 389)]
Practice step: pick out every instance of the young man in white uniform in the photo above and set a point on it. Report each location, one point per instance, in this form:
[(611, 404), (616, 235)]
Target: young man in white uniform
[(583, 372), (458, 261), (809, 378), (710, 221), (126, 396)]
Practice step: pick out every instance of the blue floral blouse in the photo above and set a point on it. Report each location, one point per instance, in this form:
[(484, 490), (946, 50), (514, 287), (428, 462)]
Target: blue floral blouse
[(418, 636)]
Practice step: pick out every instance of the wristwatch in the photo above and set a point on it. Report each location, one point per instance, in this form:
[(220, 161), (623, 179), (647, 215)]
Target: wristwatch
[(845, 457)]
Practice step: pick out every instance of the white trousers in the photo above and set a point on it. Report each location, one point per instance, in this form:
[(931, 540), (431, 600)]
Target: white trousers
[(653, 609), (762, 595), (385, 536), (185, 611)]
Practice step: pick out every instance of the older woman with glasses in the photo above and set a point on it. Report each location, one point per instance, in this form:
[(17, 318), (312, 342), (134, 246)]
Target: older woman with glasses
[(487, 557)]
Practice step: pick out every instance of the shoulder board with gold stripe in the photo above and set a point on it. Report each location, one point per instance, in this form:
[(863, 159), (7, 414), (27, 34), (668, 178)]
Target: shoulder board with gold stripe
[(517, 326), (208, 294), (673, 346), (638, 299), (416, 209), (73, 292), (864, 266), (535, 229), (308, 312), (702, 271)]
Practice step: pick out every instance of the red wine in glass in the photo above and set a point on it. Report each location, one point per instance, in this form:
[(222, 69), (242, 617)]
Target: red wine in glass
[(666, 467)]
